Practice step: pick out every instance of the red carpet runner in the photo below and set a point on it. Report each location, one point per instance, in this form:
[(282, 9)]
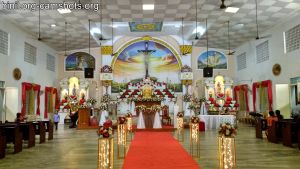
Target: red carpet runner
[(157, 150)]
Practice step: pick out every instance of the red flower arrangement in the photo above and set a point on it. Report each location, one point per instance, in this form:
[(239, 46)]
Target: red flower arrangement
[(105, 131), (122, 120), (195, 119), (227, 130), (180, 114), (128, 115)]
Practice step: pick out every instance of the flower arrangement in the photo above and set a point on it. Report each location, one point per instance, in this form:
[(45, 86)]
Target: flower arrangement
[(192, 106), (128, 115), (227, 130), (187, 98), (180, 114), (140, 108), (156, 108), (103, 106), (146, 99), (122, 120), (105, 131), (195, 119), (106, 98), (91, 101)]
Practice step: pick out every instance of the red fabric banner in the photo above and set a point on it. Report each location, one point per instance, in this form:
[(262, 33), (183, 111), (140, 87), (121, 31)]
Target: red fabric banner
[(49, 90), (268, 84), (29, 86), (243, 87)]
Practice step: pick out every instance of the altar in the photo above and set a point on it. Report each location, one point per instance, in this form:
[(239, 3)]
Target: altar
[(214, 121)]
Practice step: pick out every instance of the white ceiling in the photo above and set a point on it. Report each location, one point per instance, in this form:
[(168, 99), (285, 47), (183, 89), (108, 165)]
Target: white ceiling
[(270, 13)]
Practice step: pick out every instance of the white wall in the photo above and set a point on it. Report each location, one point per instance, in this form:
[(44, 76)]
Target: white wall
[(263, 71), (30, 73)]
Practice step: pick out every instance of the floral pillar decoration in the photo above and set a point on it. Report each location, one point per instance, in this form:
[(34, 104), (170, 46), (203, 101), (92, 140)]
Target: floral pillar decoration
[(122, 137), (194, 136), (129, 124), (105, 147), (180, 127), (106, 77), (227, 150)]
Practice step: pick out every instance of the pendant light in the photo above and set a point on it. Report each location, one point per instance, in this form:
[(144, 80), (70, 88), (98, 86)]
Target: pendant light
[(207, 71), (66, 38), (182, 38), (89, 36)]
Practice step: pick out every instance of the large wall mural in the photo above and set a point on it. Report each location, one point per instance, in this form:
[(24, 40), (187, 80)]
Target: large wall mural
[(215, 59), (130, 65), (78, 61)]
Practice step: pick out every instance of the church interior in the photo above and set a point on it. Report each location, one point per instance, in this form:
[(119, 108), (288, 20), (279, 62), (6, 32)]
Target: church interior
[(149, 84)]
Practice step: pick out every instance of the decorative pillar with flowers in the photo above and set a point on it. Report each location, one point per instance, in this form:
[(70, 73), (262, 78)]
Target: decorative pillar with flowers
[(105, 147), (129, 124), (227, 150), (180, 127), (106, 77), (194, 136), (122, 136)]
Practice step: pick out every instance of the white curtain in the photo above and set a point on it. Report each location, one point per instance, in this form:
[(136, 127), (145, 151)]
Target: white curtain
[(157, 121)]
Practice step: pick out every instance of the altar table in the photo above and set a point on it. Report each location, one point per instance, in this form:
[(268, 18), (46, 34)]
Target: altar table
[(214, 121)]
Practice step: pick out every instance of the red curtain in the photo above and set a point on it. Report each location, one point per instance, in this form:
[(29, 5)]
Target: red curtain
[(49, 90), (244, 88), (268, 84), (29, 86)]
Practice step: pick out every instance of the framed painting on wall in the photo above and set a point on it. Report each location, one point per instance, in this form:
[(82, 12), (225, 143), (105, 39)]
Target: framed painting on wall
[(212, 58)]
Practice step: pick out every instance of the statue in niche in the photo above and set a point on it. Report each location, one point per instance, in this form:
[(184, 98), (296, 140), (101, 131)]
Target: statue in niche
[(218, 88), (74, 92)]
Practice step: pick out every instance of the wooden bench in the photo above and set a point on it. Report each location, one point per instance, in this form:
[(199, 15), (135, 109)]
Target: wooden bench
[(39, 129), (260, 126), (2, 141), (13, 135), (28, 133), (290, 131), (49, 128)]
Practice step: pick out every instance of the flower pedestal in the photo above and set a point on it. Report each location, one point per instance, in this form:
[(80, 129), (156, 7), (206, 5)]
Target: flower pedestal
[(122, 138), (129, 127), (180, 129), (194, 139), (227, 152), (105, 153)]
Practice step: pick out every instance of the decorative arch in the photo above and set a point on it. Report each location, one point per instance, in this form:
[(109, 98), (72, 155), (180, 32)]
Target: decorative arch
[(78, 61), (213, 58), (146, 38), (129, 64)]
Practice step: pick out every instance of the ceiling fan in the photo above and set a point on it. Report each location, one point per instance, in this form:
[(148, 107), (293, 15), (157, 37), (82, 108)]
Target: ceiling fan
[(230, 52), (66, 38), (112, 38), (182, 37), (40, 38), (256, 21), (196, 37), (101, 38)]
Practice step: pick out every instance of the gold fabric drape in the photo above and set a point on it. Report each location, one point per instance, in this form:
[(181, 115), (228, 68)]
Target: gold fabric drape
[(31, 102), (242, 101)]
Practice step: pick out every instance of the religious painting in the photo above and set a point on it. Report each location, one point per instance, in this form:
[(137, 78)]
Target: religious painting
[(79, 61), (212, 58), (157, 62), (145, 26)]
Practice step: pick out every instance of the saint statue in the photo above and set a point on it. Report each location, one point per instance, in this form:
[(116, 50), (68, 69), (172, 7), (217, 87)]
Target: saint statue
[(218, 88), (74, 90)]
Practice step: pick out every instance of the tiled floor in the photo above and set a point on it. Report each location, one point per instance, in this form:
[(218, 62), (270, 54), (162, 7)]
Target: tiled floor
[(73, 149)]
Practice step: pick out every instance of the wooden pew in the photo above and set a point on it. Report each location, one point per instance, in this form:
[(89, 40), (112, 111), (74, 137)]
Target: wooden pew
[(14, 135), (299, 139), (2, 141), (49, 128), (28, 133), (261, 125), (272, 134), (39, 129), (289, 132)]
